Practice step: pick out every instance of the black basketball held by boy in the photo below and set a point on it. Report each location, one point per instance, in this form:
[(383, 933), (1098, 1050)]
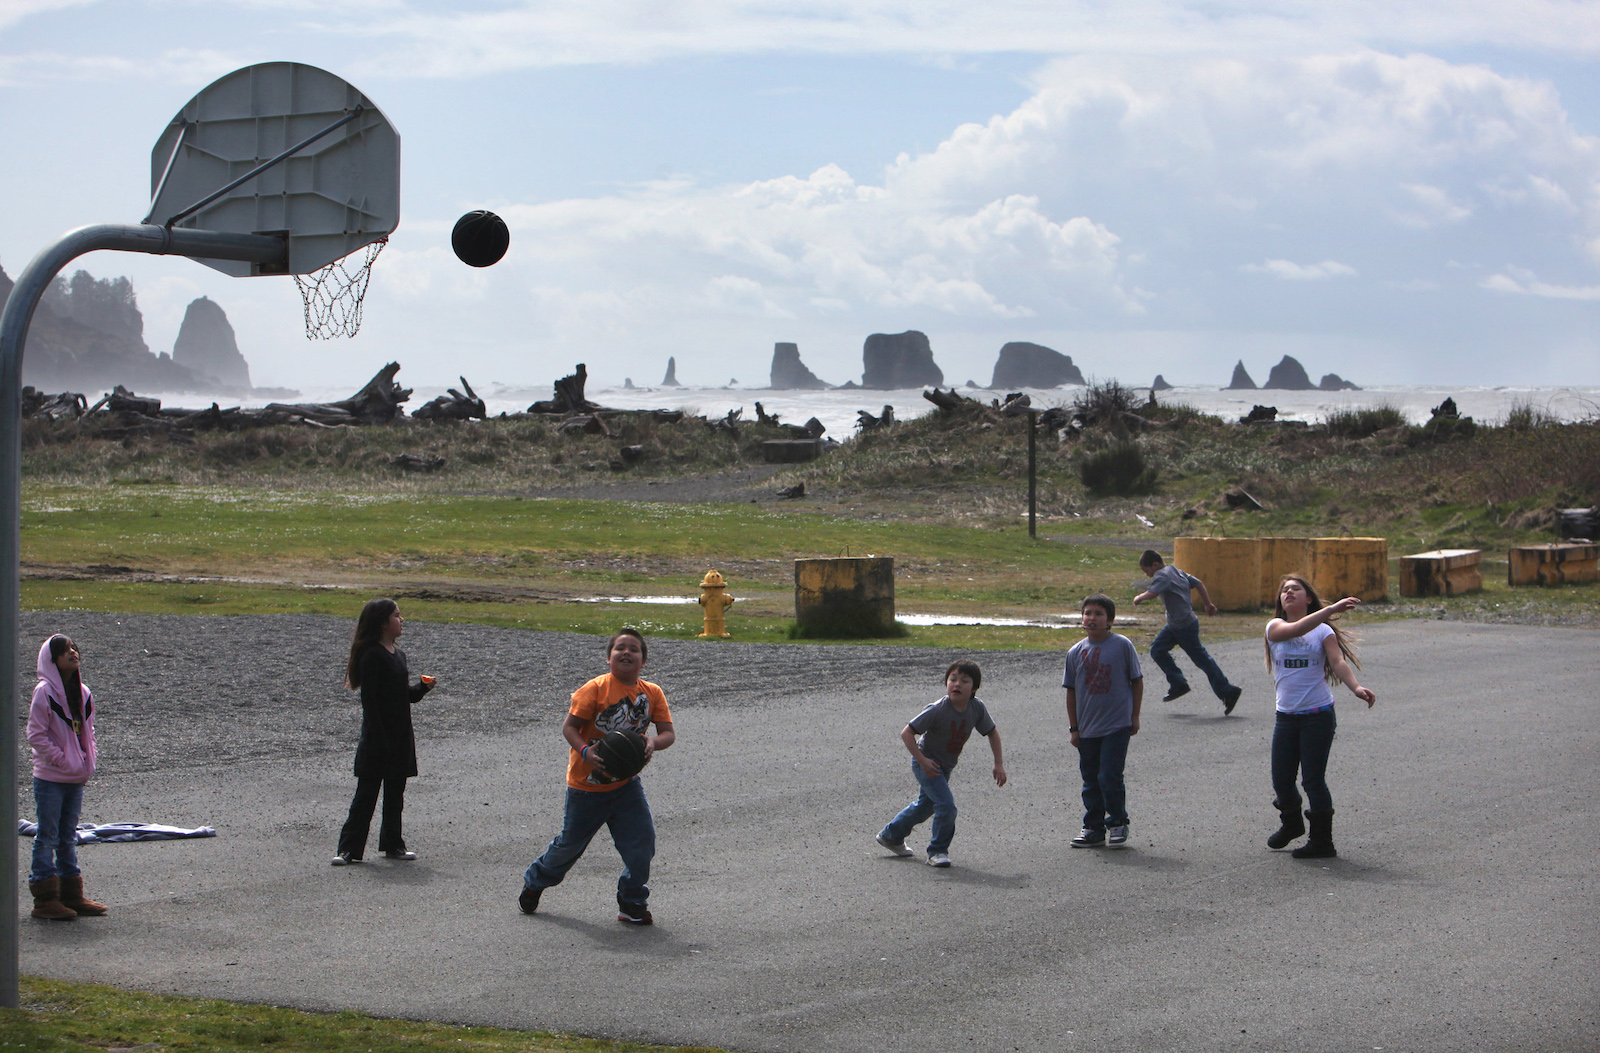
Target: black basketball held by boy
[(620, 754)]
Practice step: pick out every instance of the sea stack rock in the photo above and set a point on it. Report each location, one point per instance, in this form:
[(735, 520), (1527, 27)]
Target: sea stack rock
[(901, 360), (206, 344), (1289, 375), (1241, 380), (671, 379), (1025, 365), (1334, 382), (1160, 384), (791, 374)]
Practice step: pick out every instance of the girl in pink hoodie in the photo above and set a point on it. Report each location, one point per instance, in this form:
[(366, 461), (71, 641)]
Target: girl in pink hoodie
[(61, 732)]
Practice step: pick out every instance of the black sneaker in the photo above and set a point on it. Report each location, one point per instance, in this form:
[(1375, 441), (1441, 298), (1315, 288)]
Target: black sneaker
[(528, 902), (1176, 693), (1231, 699), (634, 913), (1088, 838)]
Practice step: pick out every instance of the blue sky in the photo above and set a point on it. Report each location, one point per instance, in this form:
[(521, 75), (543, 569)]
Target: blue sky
[(1400, 193)]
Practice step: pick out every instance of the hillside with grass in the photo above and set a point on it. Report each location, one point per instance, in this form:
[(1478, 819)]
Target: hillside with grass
[(1103, 461)]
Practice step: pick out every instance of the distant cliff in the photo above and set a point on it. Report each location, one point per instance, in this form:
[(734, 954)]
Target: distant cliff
[(1241, 380), (1025, 365), (206, 345), (791, 374), (87, 335), (900, 360)]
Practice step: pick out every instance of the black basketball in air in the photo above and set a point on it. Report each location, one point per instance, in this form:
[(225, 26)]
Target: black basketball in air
[(480, 238), (620, 754)]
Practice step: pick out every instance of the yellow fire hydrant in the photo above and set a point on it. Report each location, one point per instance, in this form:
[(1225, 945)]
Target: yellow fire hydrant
[(715, 599)]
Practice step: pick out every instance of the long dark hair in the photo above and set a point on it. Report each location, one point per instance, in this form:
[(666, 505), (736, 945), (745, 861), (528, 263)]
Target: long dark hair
[(70, 682), (369, 631), (1347, 643)]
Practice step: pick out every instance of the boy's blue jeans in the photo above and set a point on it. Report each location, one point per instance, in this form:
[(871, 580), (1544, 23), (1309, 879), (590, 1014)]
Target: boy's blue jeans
[(55, 846), (1301, 741), (1100, 762), (934, 798), (1188, 639), (626, 811)]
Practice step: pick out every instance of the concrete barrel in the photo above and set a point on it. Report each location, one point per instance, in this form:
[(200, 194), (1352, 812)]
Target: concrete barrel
[(1350, 566), (1230, 567), (1285, 555), (848, 596), (1559, 564), (1442, 572)]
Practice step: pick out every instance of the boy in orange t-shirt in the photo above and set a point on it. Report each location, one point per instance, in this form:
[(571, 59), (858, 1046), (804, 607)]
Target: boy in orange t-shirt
[(617, 701)]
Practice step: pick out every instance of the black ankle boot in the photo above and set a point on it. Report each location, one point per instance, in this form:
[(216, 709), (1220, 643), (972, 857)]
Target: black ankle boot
[(1320, 844), (1293, 826)]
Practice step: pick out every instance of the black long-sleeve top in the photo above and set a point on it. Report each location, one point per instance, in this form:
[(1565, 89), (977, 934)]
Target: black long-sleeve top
[(388, 746)]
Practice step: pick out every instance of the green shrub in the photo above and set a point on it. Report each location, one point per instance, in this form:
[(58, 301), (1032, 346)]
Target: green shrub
[(1104, 401), (1118, 470), (1361, 422), (1525, 416)]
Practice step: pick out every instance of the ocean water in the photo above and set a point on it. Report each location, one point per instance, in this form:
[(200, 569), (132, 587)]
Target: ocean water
[(837, 408)]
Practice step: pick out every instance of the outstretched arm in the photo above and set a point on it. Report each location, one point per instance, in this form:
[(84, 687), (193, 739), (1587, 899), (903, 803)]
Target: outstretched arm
[(1342, 670), (1279, 630), (1143, 596)]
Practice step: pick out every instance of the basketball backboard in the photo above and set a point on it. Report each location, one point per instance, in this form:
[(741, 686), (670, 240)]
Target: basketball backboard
[(329, 198)]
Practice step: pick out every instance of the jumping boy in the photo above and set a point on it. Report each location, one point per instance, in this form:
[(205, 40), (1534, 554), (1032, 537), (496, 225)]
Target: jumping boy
[(617, 701), (1182, 630), (944, 728), (1105, 688)]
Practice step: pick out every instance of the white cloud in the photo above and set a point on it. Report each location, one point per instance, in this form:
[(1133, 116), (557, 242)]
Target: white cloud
[(1524, 283), (1432, 206), (1122, 195), (1301, 272)]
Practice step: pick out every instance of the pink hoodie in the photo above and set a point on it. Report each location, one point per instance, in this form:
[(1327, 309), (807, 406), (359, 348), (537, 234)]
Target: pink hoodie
[(59, 753)]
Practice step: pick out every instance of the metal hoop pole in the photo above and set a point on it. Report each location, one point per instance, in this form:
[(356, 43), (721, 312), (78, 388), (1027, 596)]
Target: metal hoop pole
[(30, 287)]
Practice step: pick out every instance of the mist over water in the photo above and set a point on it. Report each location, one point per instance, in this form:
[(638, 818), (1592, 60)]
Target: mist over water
[(836, 409)]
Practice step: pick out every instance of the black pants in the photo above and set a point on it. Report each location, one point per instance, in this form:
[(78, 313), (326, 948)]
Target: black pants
[(1300, 743), (353, 838)]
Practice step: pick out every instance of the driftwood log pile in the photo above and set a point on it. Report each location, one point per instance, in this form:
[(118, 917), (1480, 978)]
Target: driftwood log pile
[(122, 412)]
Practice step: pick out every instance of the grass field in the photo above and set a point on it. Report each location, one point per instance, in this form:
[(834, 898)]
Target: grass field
[(553, 564), (62, 1017)]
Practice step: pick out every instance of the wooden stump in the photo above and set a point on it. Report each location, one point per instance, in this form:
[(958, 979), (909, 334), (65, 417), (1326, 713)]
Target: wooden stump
[(1443, 572)]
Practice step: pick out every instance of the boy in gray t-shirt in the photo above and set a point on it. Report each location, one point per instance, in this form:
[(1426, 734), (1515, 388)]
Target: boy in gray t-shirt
[(1105, 691), (934, 738), (1182, 630)]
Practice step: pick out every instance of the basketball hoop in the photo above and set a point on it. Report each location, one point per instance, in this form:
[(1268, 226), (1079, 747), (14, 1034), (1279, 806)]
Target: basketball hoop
[(333, 295)]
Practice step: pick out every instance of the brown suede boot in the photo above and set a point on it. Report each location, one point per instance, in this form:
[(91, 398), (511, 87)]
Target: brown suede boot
[(47, 900), (72, 898)]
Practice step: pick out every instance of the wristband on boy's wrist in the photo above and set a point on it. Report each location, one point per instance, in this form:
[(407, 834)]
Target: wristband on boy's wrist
[(1072, 729)]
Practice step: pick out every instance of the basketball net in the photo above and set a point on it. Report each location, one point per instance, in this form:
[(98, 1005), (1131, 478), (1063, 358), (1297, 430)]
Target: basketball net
[(333, 295)]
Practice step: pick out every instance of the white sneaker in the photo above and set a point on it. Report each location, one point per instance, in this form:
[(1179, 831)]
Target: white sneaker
[(939, 859), (343, 860), (897, 847), (1116, 836)]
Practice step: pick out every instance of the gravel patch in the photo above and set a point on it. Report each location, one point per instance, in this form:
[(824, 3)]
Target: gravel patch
[(196, 690)]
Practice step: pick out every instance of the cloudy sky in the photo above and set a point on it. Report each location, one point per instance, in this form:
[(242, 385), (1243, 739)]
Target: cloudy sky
[(1400, 192)]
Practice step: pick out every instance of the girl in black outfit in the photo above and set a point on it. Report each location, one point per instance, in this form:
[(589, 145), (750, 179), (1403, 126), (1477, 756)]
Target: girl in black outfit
[(387, 753)]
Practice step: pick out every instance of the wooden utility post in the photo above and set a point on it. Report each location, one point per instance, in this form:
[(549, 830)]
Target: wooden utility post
[(1033, 480)]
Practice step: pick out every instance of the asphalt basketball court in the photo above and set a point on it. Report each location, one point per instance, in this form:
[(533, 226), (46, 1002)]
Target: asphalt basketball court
[(1460, 914)]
